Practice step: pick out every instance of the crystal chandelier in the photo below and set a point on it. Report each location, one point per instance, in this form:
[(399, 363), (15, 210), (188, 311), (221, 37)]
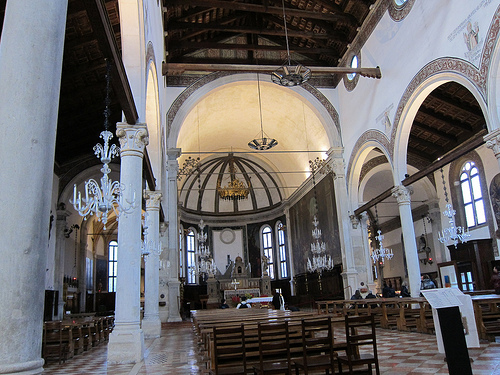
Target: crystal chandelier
[(264, 142), (452, 233), (287, 74), (381, 253), (206, 264), (235, 190), (101, 200), (320, 260)]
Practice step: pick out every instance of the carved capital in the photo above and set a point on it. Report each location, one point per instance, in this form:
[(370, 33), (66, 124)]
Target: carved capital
[(133, 138), (402, 194), (153, 199), (354, 221), (493, 142)]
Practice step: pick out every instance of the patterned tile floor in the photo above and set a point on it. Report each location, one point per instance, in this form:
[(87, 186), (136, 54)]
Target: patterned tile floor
[(175, 353)]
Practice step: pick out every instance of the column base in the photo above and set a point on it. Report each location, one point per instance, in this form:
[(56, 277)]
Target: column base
[(151, 327), (126, 344), (23, 368)]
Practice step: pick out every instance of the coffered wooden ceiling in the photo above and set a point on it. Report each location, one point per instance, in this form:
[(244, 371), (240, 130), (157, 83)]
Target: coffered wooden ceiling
[(229, 32)]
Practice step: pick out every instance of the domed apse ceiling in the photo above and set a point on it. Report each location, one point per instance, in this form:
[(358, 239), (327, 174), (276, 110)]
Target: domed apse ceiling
[(226, 119)]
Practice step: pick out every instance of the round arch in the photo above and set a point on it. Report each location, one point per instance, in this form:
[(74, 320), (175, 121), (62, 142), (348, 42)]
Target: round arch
[(188, 99), (408, 108)]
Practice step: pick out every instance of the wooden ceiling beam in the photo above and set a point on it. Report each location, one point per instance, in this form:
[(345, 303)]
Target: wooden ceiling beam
[(451, 122), (200, 27), (459, 106), (439, 133), (176, 68), (246, 47), (255, 8)]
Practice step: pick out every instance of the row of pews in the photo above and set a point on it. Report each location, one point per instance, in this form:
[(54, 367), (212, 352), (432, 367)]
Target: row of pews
[(274, 341), (63, 339), (415, 314)]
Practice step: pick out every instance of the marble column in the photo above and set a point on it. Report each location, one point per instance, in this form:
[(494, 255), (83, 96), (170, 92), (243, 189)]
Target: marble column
[(173, 236), (336, 162), (289, 249), (126, 342), (493, 142), (60, 250), (402, 194), (31, 51), (163, 274), (151, 324)]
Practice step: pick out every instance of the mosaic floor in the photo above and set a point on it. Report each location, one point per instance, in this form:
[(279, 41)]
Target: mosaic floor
[(175, 353)]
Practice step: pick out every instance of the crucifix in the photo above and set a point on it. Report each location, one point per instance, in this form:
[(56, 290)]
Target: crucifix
[(235, 283)]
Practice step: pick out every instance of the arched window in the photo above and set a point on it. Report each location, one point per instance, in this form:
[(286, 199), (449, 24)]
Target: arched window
[(354, 64), (282, 250), (112, 265), (472, 195), (181, 253), (267, 248), (191, 256)]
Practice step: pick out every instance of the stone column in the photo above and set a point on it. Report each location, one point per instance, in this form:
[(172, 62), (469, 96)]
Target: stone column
[(336, 162), (126, 342), (493, 142), (163, 274), (151, 324), (289, 250), (173, 236), (61, 227), (31, 51), (402, 194)]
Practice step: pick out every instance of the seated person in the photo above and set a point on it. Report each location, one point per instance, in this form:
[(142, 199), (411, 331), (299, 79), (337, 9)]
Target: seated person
[(404, 290), (388, 292), (224, 305), (243, 304), (357, 295)]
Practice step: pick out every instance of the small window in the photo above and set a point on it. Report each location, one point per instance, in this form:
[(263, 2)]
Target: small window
[(354, 64), (472, 195), (282, 251), (400, 3), (112, 265), (267, 249), (191, 257)]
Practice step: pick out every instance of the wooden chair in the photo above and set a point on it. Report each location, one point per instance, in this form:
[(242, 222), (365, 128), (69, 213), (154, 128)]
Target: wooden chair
[(229, 351), (274, 349), (317, 343), (360, 332), (53, 344)]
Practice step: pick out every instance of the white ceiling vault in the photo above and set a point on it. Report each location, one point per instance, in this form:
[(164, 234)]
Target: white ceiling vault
[(228, 117)]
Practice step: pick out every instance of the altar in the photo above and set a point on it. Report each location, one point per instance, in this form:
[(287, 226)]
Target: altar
[(230, 293)]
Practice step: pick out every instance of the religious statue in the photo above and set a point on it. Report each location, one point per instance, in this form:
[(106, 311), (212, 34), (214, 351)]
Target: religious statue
[(265, 264)]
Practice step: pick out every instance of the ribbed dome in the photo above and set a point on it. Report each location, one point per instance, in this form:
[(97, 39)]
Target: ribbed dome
[(200, 193)]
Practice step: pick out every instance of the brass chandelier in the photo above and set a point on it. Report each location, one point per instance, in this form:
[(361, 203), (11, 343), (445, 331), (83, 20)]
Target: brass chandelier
[(235, 189)]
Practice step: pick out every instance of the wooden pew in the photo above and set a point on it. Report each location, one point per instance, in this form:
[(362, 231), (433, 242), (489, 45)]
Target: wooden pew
[(487, 314)]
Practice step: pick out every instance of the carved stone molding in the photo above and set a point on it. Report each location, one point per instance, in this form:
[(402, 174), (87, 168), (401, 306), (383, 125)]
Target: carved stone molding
[(153, 199), (402, 194)]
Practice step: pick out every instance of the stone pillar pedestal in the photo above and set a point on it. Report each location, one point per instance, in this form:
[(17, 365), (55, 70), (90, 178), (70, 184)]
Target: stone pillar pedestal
[(213, 291), (402, 194), (31, 53), (173, 301), (151, 324), (126, 342), (265, 285)]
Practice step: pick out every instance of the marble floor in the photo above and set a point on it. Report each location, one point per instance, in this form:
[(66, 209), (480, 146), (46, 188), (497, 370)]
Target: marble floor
[(176, 353)]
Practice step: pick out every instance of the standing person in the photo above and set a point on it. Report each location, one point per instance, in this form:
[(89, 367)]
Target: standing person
[(278, 301), (495, 280)]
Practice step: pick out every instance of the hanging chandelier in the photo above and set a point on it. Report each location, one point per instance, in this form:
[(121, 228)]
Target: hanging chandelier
[(235, 189), (381, 254), (289, 74), (101, 200), (320, 261), (206, 264), (452, 233), (264, 142)]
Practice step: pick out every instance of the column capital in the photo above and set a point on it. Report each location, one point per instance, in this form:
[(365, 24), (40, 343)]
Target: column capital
[(402, 194), (173, 153), (133, 138), (492, 140), (153, 199)]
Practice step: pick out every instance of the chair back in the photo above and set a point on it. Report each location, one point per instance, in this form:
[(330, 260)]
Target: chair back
[(360, 332), (274, 348), (317, 339), (229, 350)]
